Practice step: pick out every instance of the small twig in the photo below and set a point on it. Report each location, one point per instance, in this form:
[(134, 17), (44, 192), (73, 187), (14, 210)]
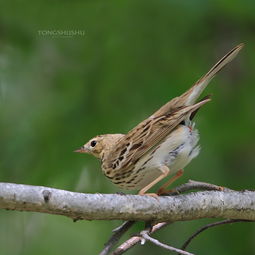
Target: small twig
[(118, 233), (185, 245), (145, 235), (136, 239), (191, 185), (123, 225)]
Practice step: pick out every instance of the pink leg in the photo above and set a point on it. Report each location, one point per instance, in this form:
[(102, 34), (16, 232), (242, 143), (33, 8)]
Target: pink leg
[(163, 188), (165, 171)]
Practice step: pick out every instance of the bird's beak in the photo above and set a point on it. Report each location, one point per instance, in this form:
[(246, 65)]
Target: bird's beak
[(82, 150)]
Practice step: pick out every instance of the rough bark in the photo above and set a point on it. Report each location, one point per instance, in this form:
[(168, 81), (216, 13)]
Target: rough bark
[(196, 205)]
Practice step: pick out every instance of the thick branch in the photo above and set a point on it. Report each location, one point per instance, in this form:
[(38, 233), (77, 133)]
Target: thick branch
[(207, 204)]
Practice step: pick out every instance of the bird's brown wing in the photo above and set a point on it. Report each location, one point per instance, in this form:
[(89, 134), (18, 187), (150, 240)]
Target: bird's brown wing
[(145, 136), (190, 96)]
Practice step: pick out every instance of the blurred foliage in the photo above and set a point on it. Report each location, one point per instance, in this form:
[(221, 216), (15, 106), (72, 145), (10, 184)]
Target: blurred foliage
[(56, 92)]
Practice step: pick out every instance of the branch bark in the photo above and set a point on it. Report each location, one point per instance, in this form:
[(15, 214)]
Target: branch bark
[(206, 204)]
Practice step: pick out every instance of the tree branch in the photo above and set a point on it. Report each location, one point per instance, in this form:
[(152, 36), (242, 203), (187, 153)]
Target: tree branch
[(116, 236), (206, 204), (192, 185), (128, 244), (146, 236), (214, 224)]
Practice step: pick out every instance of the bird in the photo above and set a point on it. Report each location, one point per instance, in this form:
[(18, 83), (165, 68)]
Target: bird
[(160, 146)]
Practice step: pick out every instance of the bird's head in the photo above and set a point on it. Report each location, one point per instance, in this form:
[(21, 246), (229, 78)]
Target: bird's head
[(100, 145)]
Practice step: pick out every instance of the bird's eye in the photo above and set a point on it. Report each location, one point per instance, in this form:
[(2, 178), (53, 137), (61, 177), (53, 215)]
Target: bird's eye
[(93, 143)]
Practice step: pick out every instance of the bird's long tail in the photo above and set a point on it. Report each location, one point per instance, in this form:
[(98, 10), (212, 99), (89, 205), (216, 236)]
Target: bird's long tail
[(195, 91), (190, 96)]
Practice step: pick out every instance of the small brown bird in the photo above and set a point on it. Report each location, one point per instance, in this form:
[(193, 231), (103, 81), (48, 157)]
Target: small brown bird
[(161, 145)]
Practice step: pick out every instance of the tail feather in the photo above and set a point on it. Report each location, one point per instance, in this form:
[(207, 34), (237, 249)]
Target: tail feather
[(195, 91), (190, 96)]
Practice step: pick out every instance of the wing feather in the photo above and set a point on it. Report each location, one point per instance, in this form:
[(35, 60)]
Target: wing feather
[(145, 137)]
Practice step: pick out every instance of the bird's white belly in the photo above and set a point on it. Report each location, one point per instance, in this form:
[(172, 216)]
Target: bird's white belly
[(177, 150)]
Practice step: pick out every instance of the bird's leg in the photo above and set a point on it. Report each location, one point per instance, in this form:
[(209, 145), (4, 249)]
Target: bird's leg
[(163, 189), (165, 171)]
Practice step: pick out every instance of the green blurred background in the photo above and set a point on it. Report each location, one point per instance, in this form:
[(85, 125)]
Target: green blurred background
[(129, 58)]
